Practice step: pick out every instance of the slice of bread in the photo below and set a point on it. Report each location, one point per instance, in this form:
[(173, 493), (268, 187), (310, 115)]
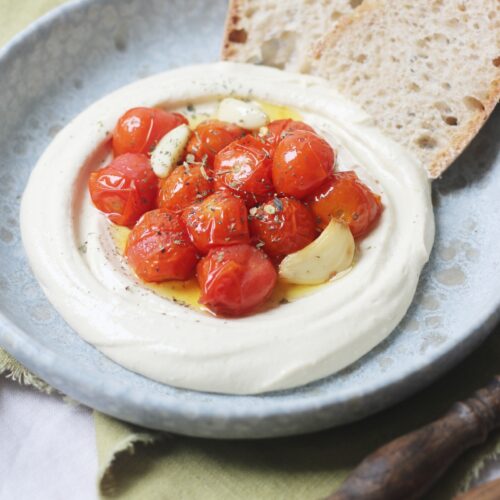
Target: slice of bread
[(428, 71), (280, 33)]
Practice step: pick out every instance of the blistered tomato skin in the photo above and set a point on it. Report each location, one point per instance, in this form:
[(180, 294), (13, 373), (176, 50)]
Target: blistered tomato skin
[(283, 225), (346, 198), (158, 248), (235, 280), (277, 130), (244, 167), (210, 137), (186, 185), (140, 129), (302, 162), (220, 219), (125, 189)]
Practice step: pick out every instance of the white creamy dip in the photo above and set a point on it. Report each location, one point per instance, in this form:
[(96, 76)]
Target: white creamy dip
[(75, 259)]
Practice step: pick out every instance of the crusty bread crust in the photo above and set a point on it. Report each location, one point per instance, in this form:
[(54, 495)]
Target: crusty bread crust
[(231, 29), (446, 157)]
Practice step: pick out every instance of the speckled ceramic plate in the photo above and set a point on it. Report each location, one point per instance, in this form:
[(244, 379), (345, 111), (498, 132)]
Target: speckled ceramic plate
[(86, 49)]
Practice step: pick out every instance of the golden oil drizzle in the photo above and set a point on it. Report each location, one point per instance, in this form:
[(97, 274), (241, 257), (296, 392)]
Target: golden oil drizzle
[(188, 292), (183, 292), (195, 119), (273, 111), (276, 112)]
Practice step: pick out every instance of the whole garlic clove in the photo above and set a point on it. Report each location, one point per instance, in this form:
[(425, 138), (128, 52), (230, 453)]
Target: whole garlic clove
[(330, 253), (169, 150), (248, 115)]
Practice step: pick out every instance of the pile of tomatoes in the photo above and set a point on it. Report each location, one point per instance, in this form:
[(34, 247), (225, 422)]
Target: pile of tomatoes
[(237, 204)]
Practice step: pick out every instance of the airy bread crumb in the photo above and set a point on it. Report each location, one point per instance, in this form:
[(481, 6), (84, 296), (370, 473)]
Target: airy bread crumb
[(427, 71), (280, 33)]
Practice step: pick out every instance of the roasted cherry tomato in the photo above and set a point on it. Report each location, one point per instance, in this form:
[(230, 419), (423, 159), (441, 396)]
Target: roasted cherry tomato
[(279, 129), (125, 189), (186, 185), (220, 219), (302, 162), (159, 249), (140, 129), (235, 280), (245, 168), (210, 137), (346, 198), (284, 225)]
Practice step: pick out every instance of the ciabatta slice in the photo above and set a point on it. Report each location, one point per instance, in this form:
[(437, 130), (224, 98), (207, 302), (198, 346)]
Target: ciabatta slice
[(428, 71), (280, 33)]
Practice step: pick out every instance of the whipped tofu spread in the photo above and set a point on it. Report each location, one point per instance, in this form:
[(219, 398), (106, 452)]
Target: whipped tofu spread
[(74, 257)]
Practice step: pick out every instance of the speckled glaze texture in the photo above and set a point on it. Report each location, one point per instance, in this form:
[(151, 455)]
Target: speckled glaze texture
[(86, 49)]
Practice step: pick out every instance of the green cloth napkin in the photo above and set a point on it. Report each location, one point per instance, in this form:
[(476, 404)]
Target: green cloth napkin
[(17, 14), (135, 463)]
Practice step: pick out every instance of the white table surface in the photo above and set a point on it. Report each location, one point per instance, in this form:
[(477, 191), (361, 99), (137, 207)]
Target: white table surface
[(47, 447)]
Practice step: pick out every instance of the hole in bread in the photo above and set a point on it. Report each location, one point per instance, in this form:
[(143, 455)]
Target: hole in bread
[(461, 7), (473, 103), (442, 107), (446, 86), (413, 87), (279, 51), (450, 120), (496, 62), (336, 15), (361, 58), (250, 11), (425, 141), (355, 3), (238, 36)]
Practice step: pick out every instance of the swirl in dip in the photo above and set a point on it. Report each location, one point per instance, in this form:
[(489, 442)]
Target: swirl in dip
[(73, 252)]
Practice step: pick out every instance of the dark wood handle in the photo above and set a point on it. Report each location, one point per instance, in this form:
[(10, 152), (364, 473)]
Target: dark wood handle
[(409, 465)]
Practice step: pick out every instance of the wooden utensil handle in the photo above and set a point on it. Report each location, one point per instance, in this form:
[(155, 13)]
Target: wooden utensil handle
[(409, 465)]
